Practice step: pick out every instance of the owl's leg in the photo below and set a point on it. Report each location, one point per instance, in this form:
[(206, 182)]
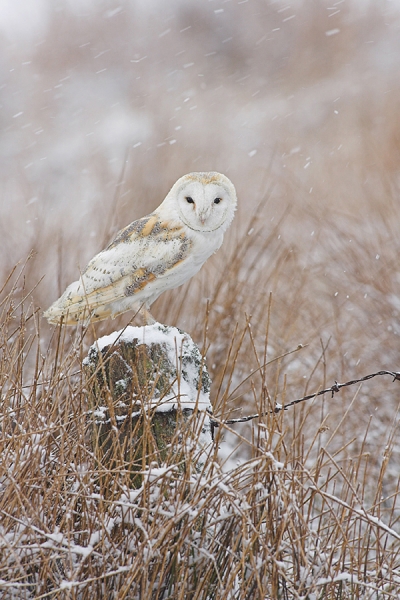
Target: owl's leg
[(146, 315)]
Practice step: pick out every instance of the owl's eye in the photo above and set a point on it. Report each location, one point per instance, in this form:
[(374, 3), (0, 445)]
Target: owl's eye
[(217, 200), (189, 200)]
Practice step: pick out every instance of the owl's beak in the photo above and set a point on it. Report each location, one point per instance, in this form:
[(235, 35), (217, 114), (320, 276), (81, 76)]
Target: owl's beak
[(203, 215)]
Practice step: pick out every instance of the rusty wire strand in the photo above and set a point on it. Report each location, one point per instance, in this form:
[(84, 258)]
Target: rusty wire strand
[(333, 389)]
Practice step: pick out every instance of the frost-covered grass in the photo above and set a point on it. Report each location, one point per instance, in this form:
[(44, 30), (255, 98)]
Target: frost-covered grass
[(302, 504)]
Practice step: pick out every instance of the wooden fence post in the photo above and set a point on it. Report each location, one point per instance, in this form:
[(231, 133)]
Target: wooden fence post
[(145, 386)]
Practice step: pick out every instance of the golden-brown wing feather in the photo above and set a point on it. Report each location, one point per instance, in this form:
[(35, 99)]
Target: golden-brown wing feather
[(143, 254)]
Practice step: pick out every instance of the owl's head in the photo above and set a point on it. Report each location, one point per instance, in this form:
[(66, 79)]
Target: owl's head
[(205, 202)]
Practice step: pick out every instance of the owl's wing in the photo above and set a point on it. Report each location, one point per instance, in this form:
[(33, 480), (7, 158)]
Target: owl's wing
[(144, 251)]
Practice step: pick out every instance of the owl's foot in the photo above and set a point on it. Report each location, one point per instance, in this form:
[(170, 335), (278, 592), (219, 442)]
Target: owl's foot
[(146, 315)]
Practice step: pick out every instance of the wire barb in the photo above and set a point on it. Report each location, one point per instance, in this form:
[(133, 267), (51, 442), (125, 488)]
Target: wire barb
[(336, 387)]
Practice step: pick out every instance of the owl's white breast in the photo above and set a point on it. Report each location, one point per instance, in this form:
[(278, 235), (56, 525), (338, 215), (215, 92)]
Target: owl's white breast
[(203, 245)]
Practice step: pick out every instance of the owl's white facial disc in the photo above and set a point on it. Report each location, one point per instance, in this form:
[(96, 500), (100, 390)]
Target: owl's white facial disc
[(206, 204)]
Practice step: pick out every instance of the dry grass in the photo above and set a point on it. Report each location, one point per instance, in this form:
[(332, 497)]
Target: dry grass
[(306, 507), (303, 504)]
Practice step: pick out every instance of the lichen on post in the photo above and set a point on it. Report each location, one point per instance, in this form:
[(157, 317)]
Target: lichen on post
[(148, 391)]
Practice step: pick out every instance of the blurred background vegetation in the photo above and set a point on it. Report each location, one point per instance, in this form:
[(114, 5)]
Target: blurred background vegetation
[(104, 105)]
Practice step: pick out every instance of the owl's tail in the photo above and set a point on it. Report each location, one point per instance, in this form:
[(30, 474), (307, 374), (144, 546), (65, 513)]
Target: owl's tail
[(58, 314), (73, 307), (76, 306)]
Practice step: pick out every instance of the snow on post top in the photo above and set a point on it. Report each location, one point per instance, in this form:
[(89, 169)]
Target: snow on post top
[(190, 382)]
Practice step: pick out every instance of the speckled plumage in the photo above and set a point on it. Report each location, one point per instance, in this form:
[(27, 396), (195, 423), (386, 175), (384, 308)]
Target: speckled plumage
[(155, 253)]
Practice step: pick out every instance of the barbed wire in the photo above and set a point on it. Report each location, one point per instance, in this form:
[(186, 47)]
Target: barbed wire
[(336, 387)]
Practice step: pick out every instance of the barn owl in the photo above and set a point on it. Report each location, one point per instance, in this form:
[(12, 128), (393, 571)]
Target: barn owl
[(153, 254)]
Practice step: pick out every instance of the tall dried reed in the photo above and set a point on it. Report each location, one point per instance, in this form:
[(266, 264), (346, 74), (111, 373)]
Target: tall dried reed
[(299, 504)]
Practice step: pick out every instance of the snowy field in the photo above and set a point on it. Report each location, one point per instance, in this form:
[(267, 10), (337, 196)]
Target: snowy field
[(103, 106)]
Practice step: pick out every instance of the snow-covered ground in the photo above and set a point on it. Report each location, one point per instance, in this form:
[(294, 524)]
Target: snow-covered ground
[(102, 108)]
